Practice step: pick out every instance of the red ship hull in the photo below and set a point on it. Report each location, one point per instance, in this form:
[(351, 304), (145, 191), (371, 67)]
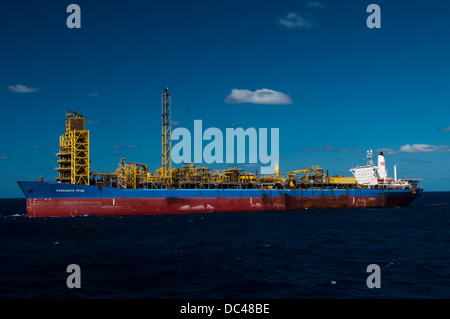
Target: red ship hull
[(62, 207), (52, 199)]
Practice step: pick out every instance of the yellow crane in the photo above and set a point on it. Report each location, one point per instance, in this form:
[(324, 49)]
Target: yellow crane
[(315, 169)]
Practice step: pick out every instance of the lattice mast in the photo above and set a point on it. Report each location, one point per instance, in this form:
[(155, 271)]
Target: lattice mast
[(74, 151), (166, 101)]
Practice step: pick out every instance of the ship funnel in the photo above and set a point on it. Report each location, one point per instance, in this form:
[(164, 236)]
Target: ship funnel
[(381, 165)]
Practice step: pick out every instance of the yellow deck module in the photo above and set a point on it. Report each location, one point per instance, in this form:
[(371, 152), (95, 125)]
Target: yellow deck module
[(74, 151), (342, 180)]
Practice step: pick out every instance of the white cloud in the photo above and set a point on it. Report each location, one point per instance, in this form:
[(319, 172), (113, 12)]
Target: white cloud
[(423, 148), (314, 4), (22, 89), (330, 148), (91, 94), (89, 121), (262, 96), (125, 146), (416, 148), (386, 151), (297, 20), (445, 129), (95, 122), (3, 157)]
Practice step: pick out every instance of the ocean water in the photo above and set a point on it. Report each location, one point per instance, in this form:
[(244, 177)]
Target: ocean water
[(274, 255)]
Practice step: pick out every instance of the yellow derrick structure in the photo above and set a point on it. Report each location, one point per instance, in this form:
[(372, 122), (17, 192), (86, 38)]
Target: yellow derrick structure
[(74, 151), (166, 163)]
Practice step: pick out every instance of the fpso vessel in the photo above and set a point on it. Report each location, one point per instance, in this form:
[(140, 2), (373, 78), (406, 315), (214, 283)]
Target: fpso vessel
[(133, 190)]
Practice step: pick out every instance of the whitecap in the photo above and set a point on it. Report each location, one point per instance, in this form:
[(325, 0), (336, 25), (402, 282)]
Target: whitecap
[(14, 216)]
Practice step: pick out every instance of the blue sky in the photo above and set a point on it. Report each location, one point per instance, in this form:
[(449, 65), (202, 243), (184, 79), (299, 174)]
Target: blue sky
[(345, 88)]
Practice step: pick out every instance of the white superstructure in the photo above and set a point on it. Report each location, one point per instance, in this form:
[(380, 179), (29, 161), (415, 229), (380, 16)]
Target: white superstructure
[(372, 175), (366, 174)]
